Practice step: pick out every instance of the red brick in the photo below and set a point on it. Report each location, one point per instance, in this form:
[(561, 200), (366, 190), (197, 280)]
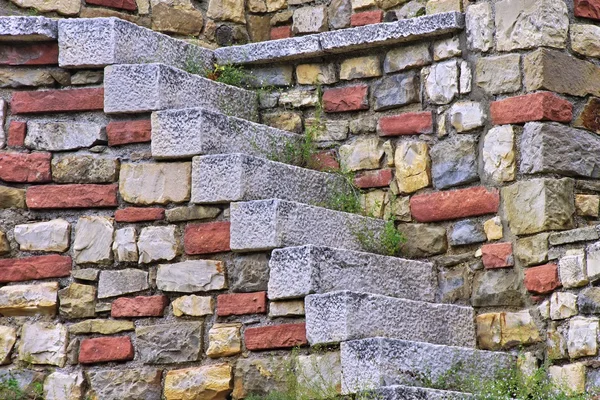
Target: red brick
[(497, 255), (414, 123), (126, 132), (139, 214), (16, 133), (72, 196), (366, 18), (30, 268), (374, 179), (25, 167), (241, 304), (281, 32), (443, 206), (140, 306), (129, 5), (352, 98), (587, 9), (29, 54), (57, 100), (325, 161), (212, 237), (105, 349), (543, 279), (275, 337), (543, 106)]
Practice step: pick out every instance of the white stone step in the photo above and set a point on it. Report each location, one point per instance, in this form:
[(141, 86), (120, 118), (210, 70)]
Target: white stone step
[(197, 131), (136, 88), (296, 272), (224, 178), (98, 42), (340, 316), (27, 29), (269, 224), (379, 362), (400, 392)]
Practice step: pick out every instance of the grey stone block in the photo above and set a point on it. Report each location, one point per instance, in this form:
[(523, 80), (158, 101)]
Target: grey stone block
[(63, 135), (340, 316), (558, 149), (574, 235), (269, 224), (300, 271), (381, 362), (175, 342), (223, 178), (98, 42), (396, 90), (152, 87), (400, 392), (272, 50), (466, 232), (27, 29), (197, 131), (454, 162), (140, 383)]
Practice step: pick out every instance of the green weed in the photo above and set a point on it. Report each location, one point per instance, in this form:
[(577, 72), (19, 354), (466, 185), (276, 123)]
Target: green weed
[(10, 390)]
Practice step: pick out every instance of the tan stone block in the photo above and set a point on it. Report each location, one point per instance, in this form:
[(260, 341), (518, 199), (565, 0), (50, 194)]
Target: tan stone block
[(442, 6), (570, 377), (227, 10), (156, 183), (210, 382), (184, 19), (8, 337), (195, 306), (506, 330), (4, 244), (285, 120), (313, 74), (77, 301), (12, 197), (373, 203), (101, 326), (493, 228), (224, 340), (362, 4), (587, 205), (26, 300), (360, 67), (413, 166), (43, 343), (290, 308), (64, 7), (489, 331), (363, 153)]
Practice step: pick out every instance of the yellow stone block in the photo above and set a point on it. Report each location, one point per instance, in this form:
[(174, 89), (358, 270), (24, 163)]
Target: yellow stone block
[(286, 120), (362, 4), (313, 74), (195, 306), (360, 67), (570, 377), (227, 10), (224, 340), (442, 6), (28, 300), (413, 166), (101, 326), (8, 337), (587, 205), (506, 330), (493, 228), (211, 382)]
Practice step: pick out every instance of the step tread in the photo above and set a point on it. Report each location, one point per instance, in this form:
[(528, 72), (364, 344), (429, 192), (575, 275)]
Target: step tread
[(27, 29), (296, 272), (344, 315), (136, 88), (401, 392), (188, 132)]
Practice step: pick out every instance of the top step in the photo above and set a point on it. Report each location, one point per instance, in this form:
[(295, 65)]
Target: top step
[(137, 88), (27, 29), (98, 42)]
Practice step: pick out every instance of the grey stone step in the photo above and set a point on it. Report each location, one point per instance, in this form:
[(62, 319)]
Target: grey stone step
[(380, 362), (136, 88), (340, 316), (198, 131), (400, 392), (269, 224), (224, 178), (98, 42), (299, 271), (343, 40), (27, 29)]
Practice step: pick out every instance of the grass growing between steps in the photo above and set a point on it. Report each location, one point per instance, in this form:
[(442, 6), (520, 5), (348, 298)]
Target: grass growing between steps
[(10, 390)]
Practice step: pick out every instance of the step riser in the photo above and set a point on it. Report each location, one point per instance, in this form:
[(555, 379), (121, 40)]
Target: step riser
[(411, 393), (195, 131), (27, 29), (296, 272), (341, 316)]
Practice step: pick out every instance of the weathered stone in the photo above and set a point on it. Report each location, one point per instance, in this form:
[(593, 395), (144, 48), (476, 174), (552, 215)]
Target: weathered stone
[(18, 77), (183, 19), (574, 235), (62, 386), (87, 77), (194, 306), (26, 300), (156, 345), (93, 240), (466, 232), (84, 169), (523, 24), (480, 26), (271, 76), (339, 12), (396, 90), (298, 98), (454, 162), (190, 213), (328, 130), (373, 203), (583, 39), (572, 269), (506, 330), (44, 236), (15, 28), (63, 135), (407, 57), (207, 238), (313, 74), (586, 205), (466, 78), (12, 197), (498, 154), (556, 344), (532, 250), (191, 276), (363, 125), (570, 377), (497, 288), (322, 372), (441, 82), (210, 382), (291, 308), (4, 244), (500, 74), (413, 166), (587, 119), (446, 48), (284, 120), (466, 116), (155, 183), (588, 301), (125, 384), (106, 349), (101, 326), (442, 6), (8, 337), (362, 4), (455, 284), (43, 343), (428, 240), (226, 10), (539, 204), (117, 283), (363, 153), (360, 67), (157, 243), (248, 273), (563, 305), (593, 261), (259, 376), (224, 340), (543, 279), (64, 7), (124, 246), (77, 301)]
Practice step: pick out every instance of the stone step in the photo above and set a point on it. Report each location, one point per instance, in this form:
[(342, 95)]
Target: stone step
[(400, 392), (98, 42), (224, 178), (196, 131), (268, 224), (340, 316), (299, 271), (136, 88), (380, 362), (27, 29)]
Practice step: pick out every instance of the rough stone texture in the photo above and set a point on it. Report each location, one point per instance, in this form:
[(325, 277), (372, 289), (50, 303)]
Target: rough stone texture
[(466, 232), (588, 301), (259, 376), (157, 243), (40, 267), (467, 116), (184, 20), (248, 273), (138, 383), (66, 100), (312, 74), (210, 382), (310, 20), (587, 205), (593, 261), (441, 82), (541, 106), (299, 271), (8, 337), (101, 326), (497, 288), (454, 162), (153, 87), (63, 135), (77, 301), (266, 52), (574, 235), (52, 235), (127, 132), (124, 245), (402, 58), (207, 238), (400, 392), (25, 168), (267, 224), (442, 206), (224, 340), (43, 343), (191, 276), (191, 213), (141, 306), (396, 90), (155, 343), (582, 337), (84, 169), (93, 240), (284, 120), (563, 305), (572, 269), (363, 153), (290, 308), (28, 29), (99, 42), (413, 166), (583, 39), (480, 26), (538, 205), (350, 98), (523, 24), (159, 183), (587, 9), (498, 154), (117, 283), (506, 330), (500, 74), (11, 197), (28, 300), (532, 250), (569, 376), (382, 362), (427, 240), (194, 306), (341, 316), (497, 255), (62, 386), (543, 279)]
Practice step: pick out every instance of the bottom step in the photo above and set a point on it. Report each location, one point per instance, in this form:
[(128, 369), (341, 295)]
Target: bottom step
[(412, 393)]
